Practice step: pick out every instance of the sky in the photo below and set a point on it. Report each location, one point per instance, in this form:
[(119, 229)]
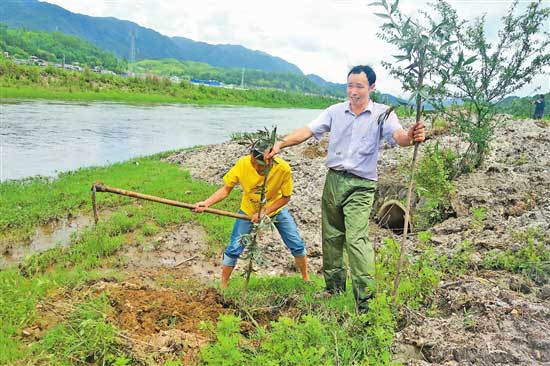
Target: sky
[(323, 37)]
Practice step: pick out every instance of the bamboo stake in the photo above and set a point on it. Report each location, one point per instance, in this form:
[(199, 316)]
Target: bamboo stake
[(400, 264), (100, 187)]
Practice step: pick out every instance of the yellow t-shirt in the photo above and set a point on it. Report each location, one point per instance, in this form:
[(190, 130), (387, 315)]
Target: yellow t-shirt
[(279, 183)]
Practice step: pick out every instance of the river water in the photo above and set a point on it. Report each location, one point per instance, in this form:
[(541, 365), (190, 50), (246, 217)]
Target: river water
[(44, 137)]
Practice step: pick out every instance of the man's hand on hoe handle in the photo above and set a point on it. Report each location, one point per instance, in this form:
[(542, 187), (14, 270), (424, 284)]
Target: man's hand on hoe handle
[(200, 206)]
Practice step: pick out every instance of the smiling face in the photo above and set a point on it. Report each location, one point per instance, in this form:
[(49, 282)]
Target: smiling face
[(358, 90)]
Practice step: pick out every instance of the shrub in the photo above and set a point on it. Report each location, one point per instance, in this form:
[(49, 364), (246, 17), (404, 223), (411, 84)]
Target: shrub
[(532, 259), (433, 184)]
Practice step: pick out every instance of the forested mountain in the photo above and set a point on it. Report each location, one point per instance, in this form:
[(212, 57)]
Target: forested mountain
[(233, 56), (124, 38), (56, 46), (250, 78)]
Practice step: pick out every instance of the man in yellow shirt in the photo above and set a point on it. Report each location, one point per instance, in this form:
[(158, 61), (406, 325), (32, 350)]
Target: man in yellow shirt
[(249, 173)]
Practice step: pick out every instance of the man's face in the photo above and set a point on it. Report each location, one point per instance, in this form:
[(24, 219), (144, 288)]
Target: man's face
[(359, 89), (259, 168)]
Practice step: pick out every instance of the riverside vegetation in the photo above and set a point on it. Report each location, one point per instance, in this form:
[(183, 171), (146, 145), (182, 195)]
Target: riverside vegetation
[(86, 333), (17, 81)]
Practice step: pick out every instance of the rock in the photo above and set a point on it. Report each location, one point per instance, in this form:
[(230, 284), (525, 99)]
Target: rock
[(405, 352), (519, 285), (544, 293)]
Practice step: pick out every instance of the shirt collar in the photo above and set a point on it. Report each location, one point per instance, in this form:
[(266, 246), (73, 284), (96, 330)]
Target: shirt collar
[(369, 107)]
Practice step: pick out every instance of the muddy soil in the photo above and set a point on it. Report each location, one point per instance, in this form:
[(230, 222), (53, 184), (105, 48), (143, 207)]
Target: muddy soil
[(156, 322), (480, 318), (183, 249), (484, 317)]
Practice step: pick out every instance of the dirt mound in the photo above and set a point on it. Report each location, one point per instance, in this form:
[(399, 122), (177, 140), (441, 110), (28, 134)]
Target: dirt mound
[(164, 323), (145, 311), (482, 324)]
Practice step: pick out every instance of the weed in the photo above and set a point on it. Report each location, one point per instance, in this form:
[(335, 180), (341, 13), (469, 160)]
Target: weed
[(418, 279), (439, 126), (433, 185), (478, 217), (324, 331), (532, 259), (225, 350), (85, 337), (521, 160), (149, 229)]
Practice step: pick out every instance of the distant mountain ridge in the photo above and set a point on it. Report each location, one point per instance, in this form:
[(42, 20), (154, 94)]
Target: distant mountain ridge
[(115, 35), (217, 55), (128, 40)]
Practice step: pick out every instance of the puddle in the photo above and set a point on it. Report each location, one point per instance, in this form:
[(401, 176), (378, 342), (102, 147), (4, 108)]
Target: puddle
[(46, 237), (182, 248)]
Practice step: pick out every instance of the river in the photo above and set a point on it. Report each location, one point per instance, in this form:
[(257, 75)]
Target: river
[(44, 137)]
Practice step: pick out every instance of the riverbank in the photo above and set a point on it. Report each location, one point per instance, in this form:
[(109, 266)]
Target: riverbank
[(129, 291), (29, 92), (34, 82)]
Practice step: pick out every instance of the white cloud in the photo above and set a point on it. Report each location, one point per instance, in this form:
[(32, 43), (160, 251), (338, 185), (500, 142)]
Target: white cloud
[(323, 37)]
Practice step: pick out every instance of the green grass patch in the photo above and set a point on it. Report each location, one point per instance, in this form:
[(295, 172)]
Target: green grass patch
[(325, 331), (18, 298), (310, 330), (17, 81), (532, 258), (85, 337), (31, 202)]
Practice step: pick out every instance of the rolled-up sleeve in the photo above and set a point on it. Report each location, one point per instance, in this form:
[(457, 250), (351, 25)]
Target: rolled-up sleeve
[(321, 124), (390, 126)]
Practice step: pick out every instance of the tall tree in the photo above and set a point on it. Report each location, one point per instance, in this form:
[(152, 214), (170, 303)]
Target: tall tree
[(493, 71), (424, 45)]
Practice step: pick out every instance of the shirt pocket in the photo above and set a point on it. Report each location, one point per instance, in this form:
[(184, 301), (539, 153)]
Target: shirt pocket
[(367, 145)]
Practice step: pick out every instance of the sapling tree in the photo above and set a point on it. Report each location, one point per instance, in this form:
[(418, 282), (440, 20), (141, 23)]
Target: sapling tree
[(485, 72), (424, 46), (250, 241)]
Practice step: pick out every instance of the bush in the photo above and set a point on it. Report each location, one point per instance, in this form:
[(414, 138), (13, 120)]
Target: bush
[(532, 259), (433, 185)]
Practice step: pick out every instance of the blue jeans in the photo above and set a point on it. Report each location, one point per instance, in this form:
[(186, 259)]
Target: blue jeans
[(285, 225)]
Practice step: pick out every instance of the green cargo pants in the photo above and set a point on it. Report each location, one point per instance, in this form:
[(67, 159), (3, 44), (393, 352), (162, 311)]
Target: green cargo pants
[(346, 206)]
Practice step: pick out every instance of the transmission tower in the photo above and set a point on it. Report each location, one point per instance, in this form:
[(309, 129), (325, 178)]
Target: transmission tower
[(242, 79), (132, 55)]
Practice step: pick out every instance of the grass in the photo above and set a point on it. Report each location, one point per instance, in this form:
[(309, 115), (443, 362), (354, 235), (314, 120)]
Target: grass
[(85, 336), (532, 258), (30, 202), (304, 330), (31, 82), (37, 92), (297, 326)]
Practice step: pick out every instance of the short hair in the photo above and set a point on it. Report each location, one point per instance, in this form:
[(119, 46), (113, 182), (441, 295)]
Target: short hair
[(258, 148), (371, 75), (541, 96)]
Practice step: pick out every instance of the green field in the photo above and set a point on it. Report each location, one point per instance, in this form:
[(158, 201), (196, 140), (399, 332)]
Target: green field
[(18, 81)]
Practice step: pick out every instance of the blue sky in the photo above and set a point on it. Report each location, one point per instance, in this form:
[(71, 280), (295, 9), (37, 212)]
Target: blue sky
[(324, 37)]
